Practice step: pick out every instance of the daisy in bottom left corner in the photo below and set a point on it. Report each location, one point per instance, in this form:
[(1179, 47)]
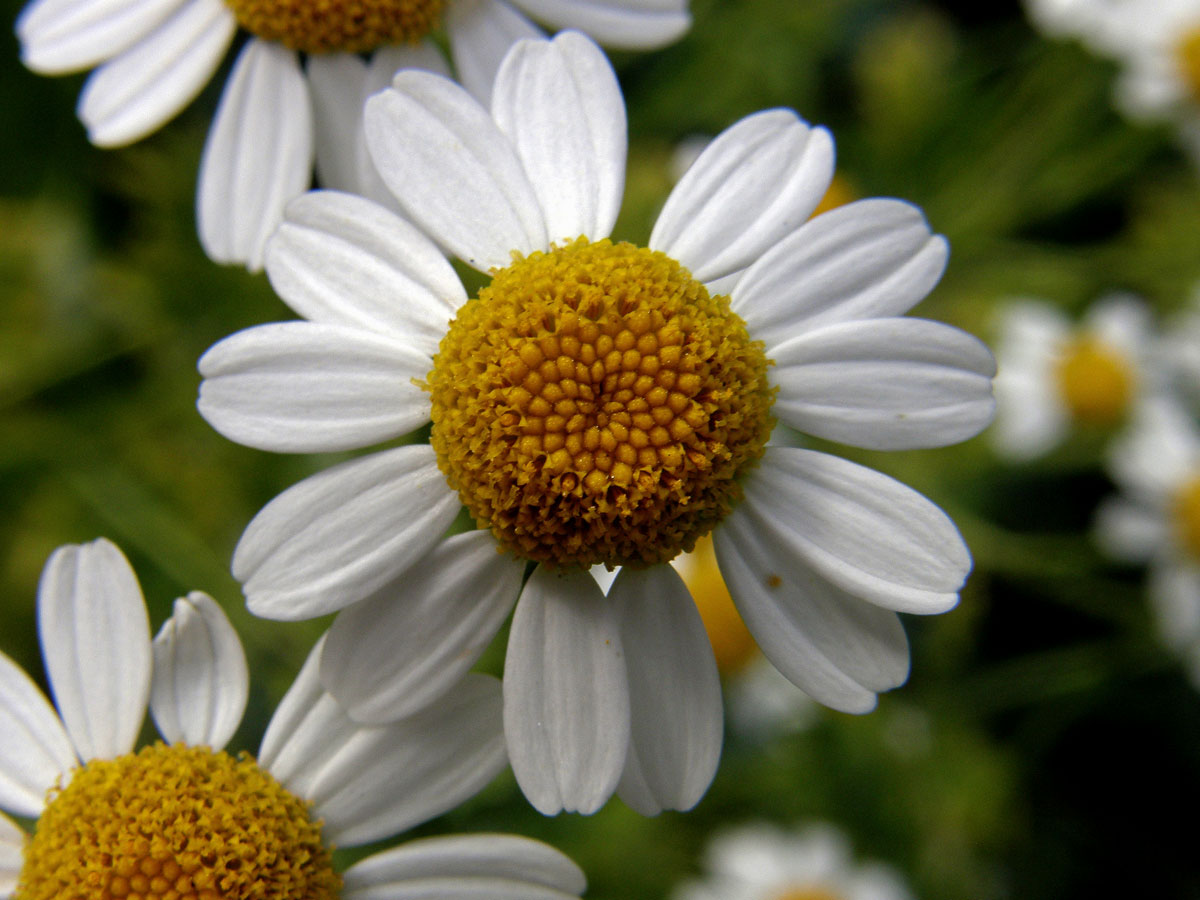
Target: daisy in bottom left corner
[(183, 818)]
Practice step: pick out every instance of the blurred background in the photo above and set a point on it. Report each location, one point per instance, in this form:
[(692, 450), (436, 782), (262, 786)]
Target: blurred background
[(1046, 736)]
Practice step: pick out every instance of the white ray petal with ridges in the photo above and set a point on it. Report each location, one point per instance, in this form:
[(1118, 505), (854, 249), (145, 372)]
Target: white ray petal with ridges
[(12, 857), (35, 750), (481, 33), (629, 25), (60, 36)]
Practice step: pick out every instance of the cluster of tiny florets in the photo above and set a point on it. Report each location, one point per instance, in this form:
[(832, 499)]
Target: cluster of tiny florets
[(348, 26)]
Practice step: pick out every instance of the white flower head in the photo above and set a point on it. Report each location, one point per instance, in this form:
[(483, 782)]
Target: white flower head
[(1054, 375), (763, 862), (277, 115), (598, 403), (1155, 519), (182, 817)]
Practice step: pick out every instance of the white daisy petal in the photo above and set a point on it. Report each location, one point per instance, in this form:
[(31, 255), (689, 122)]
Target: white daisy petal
[(35, 750), (301, 387), (757, 181), (343, 260), (201, 682), (481, 33), (674, 690), (885, 384), (838, 649), (566, 694), (341, 534), (95, 638), (12, 856), (1174, 591), (370, 782), (1030, 416), (59, 36), (627, 25), (453, 171), (465, 867), (258, 156), (560, 105), (395, 652), (868, 259), (279, 752), (1129, 531), (144, 87), (867, 533)]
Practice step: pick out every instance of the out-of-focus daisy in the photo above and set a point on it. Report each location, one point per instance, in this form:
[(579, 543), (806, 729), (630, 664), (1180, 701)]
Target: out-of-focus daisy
[(763, 862), (1094, 22), (276, 114), (1054, 375), (183, 818), (598, 403), (1156, 518)]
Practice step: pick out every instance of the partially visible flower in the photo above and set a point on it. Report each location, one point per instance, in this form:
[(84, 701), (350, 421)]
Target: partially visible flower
[(602, 403), (764, 862), (1156, 518), (276, 114), (184, 818), (1053, 376)]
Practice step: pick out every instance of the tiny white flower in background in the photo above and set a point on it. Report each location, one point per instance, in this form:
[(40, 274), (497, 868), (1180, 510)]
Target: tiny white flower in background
[(764, 862), (1155, 519), (598, 403), (1181, 350), (1054, 375), (185, 816), (276, 114)]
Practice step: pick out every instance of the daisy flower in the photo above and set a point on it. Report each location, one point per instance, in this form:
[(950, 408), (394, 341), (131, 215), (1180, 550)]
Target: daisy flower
[(1054, 375), (597, 403), (762, 862), (1156, 518), (183, 818), (276, 114)]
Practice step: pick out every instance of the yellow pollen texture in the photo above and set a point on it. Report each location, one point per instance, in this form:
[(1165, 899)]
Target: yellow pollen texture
[(809, 892), (595, 405), (176, 823), (1187, 516), (1189, 60), (1095, 381), (348, 26)]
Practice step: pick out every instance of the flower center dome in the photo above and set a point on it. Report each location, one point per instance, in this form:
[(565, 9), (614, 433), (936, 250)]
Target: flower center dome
[(176, 823), (349, 26), (1186, 514), (733, 646), (595, 405), (1189, 60), (1095, 381), (809, 892)]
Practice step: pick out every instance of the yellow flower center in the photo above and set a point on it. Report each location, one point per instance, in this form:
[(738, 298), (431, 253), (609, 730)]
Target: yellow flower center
[(595, 405), (349, 26), (1095, 381), (731, 641), (1186, 514), (808, 892), (176, 823), (1189, 61)]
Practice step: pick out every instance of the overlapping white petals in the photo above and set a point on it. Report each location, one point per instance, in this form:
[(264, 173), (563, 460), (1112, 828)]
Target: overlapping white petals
[(258, 156), (397, 651), (35, 750), (628, 25), (885, 384), (59, 36), (566, 694), (145, 86), (343, 260), (481, 33), (758, 180), (201, 682), (369, 782), (559, 103), (837, 648), (302, 387), (340, 535), (95, 638), (465, 867), (12, 858), (868, 259), (453, 171), (867, 533), (674, 690)]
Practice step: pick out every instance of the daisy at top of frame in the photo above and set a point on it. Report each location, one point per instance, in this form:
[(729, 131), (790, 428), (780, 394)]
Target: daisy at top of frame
[(597, 404), (185, 818), (277, 116)]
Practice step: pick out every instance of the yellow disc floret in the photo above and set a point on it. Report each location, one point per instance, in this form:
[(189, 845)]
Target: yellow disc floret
[(1095, 381), (810, 892), (349, 26), (1189, 61), (176, 823), (595, 405), (1186, 515)]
